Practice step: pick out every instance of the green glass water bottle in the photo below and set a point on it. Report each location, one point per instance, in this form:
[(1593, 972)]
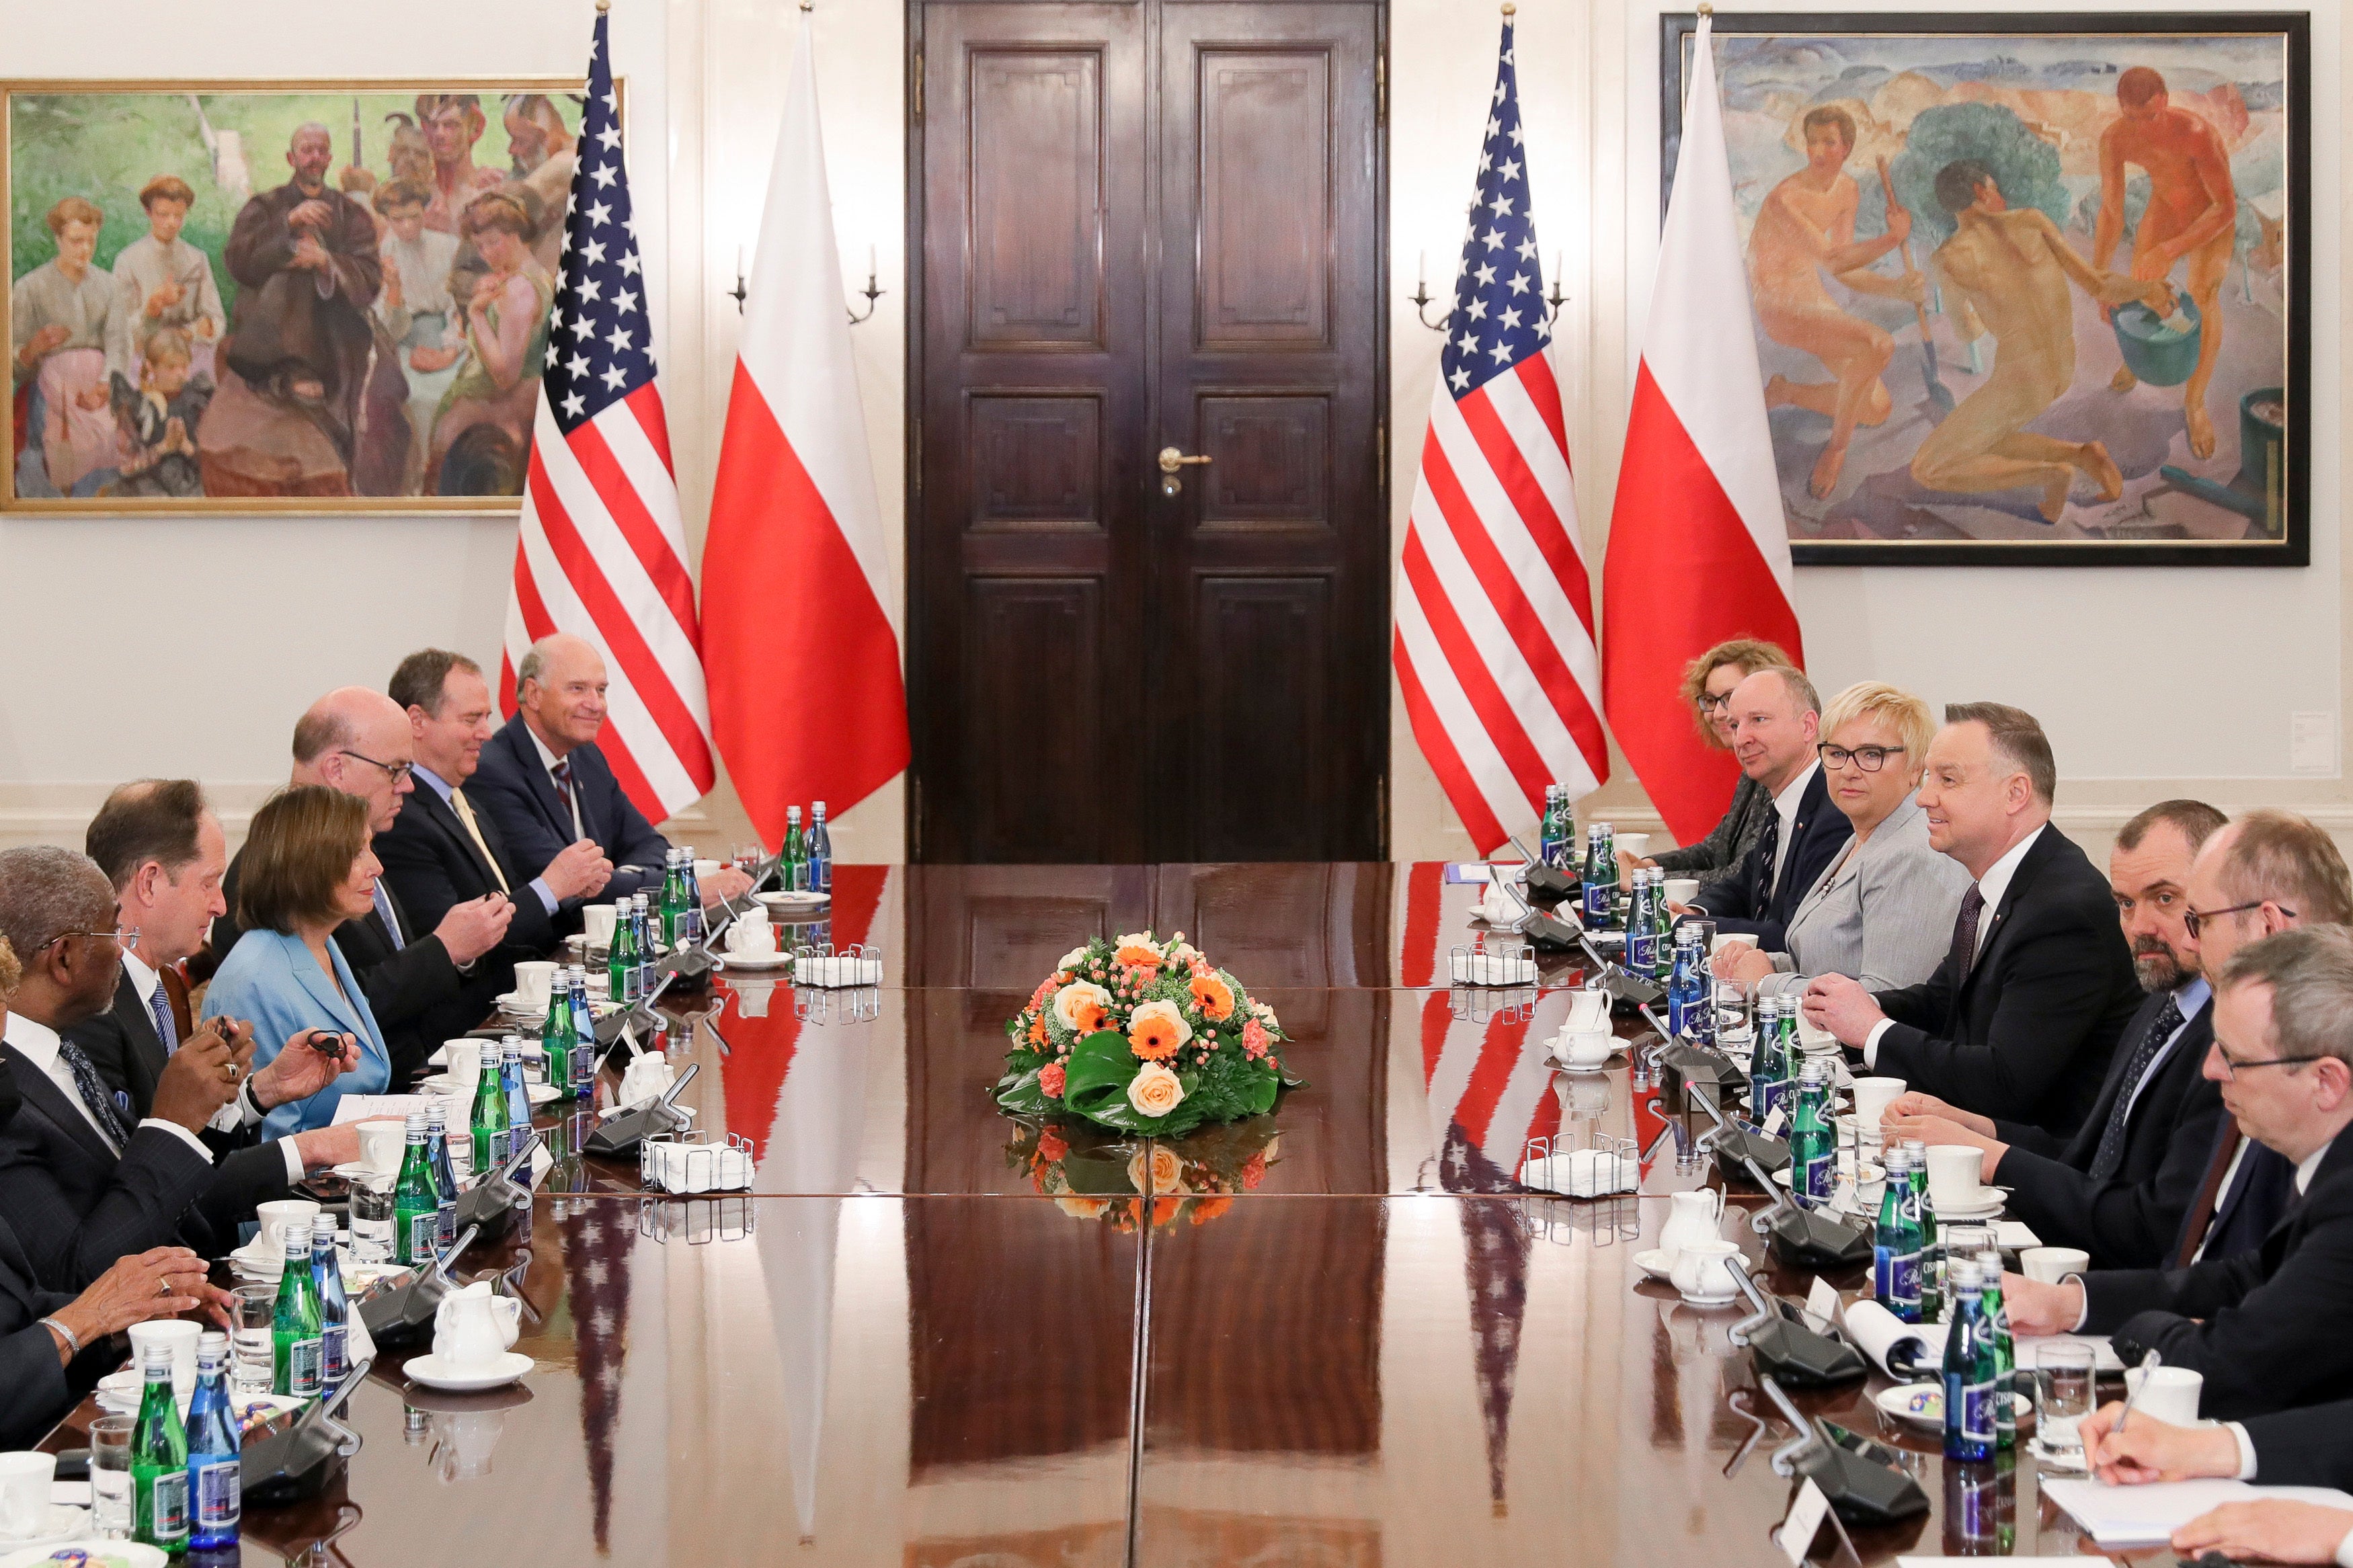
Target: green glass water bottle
[(416, 1201), (487, 1120), (299, 1349), (159, 1458)]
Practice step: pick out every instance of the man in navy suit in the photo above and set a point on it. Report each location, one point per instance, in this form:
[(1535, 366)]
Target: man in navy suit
[(1776, 724), (547, 786), (2019, 1020)]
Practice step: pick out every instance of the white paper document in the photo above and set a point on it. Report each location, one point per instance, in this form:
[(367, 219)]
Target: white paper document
[(2104, 1358), (2147, 1516), (383, 1106)]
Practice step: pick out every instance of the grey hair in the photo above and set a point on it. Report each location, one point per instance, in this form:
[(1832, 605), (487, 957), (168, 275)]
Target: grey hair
[(535, 663), (46, 892), (296, 135), (2310, 972)]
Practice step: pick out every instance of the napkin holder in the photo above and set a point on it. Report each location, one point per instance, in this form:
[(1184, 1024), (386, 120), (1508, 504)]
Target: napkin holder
[(855, 965), (1783, 1346), (286, 1466), (489, 1205), (690, 1162), (1861, 1488), (1555, 1165), (619, 1138), (402, 1317)]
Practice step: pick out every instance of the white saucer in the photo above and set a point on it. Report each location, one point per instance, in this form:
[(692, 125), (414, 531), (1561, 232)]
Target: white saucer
[(1711, 1300), (428, 1370), (1654, 1263), (358, 1168), (1558, 1066), (1922, 1404), (1986, 1207), (133, 1553), (252, 1258), (441, 1057), (797, 902), (756, 959), (441, 1083)]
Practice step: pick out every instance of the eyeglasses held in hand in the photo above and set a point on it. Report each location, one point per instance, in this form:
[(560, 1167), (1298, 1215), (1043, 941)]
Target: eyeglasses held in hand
[(2192, 918), (1870, 758), (398, 770)]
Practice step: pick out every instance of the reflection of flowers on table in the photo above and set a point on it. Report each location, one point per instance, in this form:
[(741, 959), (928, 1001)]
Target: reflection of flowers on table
[(1142, 1035), (1195, 1180)]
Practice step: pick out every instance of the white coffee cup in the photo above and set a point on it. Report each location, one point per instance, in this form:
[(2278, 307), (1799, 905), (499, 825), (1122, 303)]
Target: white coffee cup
[(383, 1145), (1954, 1177), (2168, 1393), (1873, 1096), (465, 1061), (1703, 1271), (1583, 1048), (597, 924), (179, 1336), (752, 933), (1681, 889), (2051, 1263), (705, 869), (533, 979), (24, 1479), (280, 1219), (1633, 844)]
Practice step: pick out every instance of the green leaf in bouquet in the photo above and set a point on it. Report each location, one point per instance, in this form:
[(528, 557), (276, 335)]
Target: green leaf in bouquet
[(1019, 1093), (1098, 1073)]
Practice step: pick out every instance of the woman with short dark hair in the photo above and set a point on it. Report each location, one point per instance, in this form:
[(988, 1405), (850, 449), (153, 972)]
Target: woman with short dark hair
[(306, 868)]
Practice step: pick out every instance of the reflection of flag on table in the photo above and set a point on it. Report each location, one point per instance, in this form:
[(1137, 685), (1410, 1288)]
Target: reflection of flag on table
[(603, 554), (598, 1238), (1494, 647), (1699, 549)]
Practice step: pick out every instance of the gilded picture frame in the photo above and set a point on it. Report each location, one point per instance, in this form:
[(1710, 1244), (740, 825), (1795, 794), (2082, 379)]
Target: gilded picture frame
[(312, 296), (2019, 381)]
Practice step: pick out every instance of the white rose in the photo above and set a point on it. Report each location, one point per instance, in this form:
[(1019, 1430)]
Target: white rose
[(1076, 997), (1070, 959), (1265, 1015), (1169, 1011), (1155, 1090)]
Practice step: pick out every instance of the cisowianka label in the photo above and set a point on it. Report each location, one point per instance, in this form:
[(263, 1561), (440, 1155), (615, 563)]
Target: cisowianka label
[(220, 1493)]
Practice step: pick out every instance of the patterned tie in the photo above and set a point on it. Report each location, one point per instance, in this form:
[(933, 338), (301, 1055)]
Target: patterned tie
[(562, 774), (383, 908), (92, 1089), (1768, 844), (2110, 1155), (474, 832), (161, 1006), (1964, 956)]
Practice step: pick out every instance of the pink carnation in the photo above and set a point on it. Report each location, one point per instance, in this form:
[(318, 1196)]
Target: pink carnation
[(1255, 1039), (1049, 1079)]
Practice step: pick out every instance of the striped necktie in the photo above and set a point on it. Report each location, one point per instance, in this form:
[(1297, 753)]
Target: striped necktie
[(161, 1006)]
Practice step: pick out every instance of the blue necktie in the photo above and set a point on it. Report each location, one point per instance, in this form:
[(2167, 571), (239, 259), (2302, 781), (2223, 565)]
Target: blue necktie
[(161, 1006), (2109, 1157), (383, 908), (93, 1094)]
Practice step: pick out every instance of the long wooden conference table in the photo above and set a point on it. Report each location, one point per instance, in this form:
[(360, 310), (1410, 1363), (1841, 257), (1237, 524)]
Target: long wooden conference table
[(898, 1349)]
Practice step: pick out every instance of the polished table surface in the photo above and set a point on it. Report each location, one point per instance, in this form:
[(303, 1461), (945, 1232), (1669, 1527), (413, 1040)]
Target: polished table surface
[(933, 1336)]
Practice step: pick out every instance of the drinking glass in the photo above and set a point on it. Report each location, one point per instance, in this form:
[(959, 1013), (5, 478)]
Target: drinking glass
[(2063, 1397), (252, 1350), (110, 1476), (371, 1219)]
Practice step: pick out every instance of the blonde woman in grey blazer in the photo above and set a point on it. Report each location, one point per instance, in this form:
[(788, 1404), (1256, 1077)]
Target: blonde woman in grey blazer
[(1884, 910)]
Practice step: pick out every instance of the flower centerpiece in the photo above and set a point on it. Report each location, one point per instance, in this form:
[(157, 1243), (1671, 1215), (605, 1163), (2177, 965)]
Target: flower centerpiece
[(1113, 1181), (1142, 1035)]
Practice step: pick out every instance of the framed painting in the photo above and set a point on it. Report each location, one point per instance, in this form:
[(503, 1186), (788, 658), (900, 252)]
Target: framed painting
[(2029, 289), (310, 296)]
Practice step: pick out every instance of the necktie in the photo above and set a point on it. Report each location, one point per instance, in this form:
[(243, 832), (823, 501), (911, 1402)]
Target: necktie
[(562, 774), (1964, 956), (474, 832), (2210, 1195), (2111, 1152), (383, 908), (93, 1093), (161, 1006), (1768, 844)]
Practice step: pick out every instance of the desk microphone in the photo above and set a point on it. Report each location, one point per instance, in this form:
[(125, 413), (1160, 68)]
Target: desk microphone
[(1801, 1238), (1739, 1151), (1546, 884), (1864, 1481), (1781, 1344)]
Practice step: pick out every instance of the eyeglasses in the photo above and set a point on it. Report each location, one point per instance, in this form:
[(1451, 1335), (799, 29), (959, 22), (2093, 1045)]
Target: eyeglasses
[(1708, 704), (398, 770), (2192, 918), (127, 936), (1870, 758), (2232, 1065)]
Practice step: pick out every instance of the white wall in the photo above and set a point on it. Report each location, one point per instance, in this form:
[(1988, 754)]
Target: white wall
[(146, 646)]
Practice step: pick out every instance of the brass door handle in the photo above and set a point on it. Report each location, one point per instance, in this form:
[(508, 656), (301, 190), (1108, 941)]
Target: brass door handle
[(1171, 460)]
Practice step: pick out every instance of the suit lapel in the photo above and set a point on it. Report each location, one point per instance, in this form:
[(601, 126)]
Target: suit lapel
[(145, 1045), (516, 738), (444, 818), (321, 989), (51, 1100)]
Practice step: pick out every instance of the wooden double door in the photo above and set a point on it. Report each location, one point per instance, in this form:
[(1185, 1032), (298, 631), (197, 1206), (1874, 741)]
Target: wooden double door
[(1145, 226)]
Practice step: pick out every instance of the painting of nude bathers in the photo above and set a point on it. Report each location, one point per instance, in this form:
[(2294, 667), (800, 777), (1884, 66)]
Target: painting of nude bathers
[(278, 297), (2028, 289)]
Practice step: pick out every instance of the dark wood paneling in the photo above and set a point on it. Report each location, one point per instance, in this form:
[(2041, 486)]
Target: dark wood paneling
[(1037, 461), (1267, 201), (1261, 740), (1033, 661), (1276, 467), (1035, 225)]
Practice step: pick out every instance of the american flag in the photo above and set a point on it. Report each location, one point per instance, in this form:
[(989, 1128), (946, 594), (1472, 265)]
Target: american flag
[(603, 552), (1494, 646)]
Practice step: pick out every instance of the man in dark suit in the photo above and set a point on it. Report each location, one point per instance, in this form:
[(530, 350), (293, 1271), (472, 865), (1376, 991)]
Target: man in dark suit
[(2266, 1329), (1776, 724), (2019, 1020), (440, 851), (418, 979), (546, 784), (81, 1184), (2312, 1446), (2121, 1187), (159, 844), (2267, 872)]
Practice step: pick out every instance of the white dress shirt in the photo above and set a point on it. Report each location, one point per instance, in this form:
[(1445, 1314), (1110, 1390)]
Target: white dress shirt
[(550, 761), (1785, 807), (39, 1044), (1991, 887), (445, 789)]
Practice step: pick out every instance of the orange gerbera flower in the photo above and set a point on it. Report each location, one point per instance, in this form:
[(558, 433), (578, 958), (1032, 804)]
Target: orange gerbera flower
[(1137, 956), (1207, 1209), (1155, 1038), (1089, 1016), (1214, 997), (1038, 1030)]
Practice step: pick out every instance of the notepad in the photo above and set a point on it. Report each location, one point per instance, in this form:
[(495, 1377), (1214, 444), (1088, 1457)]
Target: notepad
[(2147, 1516)]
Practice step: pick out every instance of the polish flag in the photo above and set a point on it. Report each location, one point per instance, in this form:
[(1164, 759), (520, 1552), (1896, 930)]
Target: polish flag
[(798, 645), (1699, 550)]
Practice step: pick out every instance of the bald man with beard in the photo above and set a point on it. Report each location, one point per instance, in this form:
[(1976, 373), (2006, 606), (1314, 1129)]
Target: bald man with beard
[(421, 986)]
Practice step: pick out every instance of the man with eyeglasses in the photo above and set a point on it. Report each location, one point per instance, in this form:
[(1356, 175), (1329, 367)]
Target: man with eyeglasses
[(420, 984), (82, 1184), (2264, 1329)]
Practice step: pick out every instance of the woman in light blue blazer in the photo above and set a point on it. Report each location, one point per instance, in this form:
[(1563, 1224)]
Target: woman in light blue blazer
[(306, 868), (1882, 912)]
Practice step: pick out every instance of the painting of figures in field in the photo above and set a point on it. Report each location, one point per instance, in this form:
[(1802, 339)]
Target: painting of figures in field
[(259, 300), (2015, 290)]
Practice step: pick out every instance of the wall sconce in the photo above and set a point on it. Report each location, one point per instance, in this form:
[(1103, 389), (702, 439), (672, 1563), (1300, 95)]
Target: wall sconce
[(1421, 298), (871, 293)]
